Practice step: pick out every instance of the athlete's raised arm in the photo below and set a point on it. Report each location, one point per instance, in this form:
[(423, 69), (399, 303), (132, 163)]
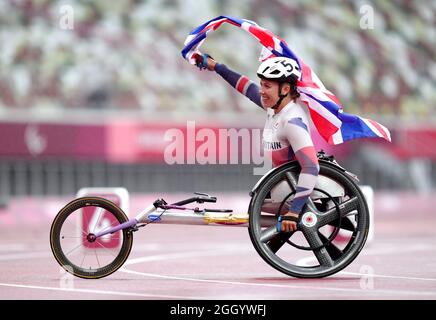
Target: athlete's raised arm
[(240, 82)]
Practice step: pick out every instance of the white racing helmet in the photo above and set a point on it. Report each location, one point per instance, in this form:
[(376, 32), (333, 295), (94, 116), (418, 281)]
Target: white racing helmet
[(279, 69)]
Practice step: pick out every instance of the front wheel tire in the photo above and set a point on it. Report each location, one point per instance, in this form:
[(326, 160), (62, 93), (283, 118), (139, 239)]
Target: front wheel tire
[(76, 251)]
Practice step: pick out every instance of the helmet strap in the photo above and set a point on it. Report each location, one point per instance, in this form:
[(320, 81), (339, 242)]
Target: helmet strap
[(281, 97)]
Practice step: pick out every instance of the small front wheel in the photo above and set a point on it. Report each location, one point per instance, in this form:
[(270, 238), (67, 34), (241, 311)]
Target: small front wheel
[(73, 244)]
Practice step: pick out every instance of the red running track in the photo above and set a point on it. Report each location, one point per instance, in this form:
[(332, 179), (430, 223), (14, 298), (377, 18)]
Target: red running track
[(206, 262)]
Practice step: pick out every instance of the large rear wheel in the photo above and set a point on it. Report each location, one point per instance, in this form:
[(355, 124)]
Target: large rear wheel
[(332, 230)]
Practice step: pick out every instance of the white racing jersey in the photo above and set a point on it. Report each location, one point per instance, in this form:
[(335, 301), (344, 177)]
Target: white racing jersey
[(286, 136), (290, 124)]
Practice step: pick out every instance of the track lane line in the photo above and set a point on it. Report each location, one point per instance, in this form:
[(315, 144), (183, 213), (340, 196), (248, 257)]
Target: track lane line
[(103, 292), (206, 253)]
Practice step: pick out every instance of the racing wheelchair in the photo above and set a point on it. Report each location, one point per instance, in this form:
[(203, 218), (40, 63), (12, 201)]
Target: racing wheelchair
[(91, 237)]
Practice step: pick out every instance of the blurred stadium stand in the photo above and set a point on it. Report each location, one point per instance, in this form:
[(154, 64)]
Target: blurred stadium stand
[(122, 61)]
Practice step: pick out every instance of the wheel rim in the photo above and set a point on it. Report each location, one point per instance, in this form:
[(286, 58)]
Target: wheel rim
[(74, 247)]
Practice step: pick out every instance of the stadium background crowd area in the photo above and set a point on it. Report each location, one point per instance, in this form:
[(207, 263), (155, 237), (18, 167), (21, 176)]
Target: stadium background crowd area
[(125, 55), (67, 83)]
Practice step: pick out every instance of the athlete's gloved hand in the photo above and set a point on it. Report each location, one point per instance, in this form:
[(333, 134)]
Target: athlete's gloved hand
[(204, 61), (288, 222)]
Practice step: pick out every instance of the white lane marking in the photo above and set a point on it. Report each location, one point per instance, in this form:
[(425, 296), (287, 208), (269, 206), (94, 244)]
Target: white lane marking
[(209, 252), (388, 249), (304, 287), (24, 255), (181, 255), (13, 247), (308, 261), (116, 293), (367, 275), (206, 253)]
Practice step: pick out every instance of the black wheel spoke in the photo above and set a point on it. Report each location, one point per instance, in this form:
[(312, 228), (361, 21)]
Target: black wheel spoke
[(345, 208), (311, 205), (268, 234), (291, 181), (346, 224), (333, 250), (278, 241), (314, 240)]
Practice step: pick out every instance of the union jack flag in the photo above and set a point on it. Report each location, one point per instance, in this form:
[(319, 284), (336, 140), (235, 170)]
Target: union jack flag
[(326, 112)]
